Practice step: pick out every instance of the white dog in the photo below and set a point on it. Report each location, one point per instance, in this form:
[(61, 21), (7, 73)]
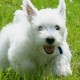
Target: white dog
[(36, 38)]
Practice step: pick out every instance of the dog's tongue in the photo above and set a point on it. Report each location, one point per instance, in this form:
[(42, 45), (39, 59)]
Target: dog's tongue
[(49, 49)]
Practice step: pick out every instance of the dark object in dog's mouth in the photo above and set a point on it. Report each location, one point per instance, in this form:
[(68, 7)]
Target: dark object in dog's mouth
[(49, 49)]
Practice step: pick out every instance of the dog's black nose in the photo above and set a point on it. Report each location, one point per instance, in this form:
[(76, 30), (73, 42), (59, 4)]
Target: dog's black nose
[(50, 40)]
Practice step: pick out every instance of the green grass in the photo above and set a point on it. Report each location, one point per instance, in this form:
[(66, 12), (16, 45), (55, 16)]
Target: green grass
[(8, 7)]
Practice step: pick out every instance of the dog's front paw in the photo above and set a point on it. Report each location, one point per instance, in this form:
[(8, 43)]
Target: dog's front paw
[(62, 71)]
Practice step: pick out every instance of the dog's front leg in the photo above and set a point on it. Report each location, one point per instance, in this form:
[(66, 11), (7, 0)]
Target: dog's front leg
[(62, 62)]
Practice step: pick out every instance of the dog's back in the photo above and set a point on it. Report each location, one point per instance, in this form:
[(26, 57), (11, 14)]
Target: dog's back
[(9, 33)]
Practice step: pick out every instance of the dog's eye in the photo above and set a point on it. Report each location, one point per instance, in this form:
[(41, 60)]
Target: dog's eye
[(57, 27), (40, 28)]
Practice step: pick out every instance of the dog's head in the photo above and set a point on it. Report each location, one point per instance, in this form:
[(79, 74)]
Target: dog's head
[(48, 26)]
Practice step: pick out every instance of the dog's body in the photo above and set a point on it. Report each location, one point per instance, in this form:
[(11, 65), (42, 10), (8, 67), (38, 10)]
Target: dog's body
[(36, 39)]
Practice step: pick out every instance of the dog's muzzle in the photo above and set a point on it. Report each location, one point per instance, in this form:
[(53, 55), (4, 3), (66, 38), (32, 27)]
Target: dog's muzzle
[(49, 49)]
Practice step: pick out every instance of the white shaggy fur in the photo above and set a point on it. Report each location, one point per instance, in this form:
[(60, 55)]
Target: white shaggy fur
[(22, 41)]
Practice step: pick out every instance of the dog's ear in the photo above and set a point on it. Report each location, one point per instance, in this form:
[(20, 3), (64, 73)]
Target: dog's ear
[(29, 8), (31, 12), (62, 8)]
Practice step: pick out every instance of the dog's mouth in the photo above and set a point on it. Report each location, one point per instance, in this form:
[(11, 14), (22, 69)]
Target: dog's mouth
[(49, 49)]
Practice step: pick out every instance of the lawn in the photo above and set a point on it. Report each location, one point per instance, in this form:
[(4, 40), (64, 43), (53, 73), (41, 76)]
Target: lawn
[(7, 9)]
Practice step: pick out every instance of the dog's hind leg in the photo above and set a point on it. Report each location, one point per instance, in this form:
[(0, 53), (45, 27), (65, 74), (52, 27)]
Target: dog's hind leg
[(4, 45)]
